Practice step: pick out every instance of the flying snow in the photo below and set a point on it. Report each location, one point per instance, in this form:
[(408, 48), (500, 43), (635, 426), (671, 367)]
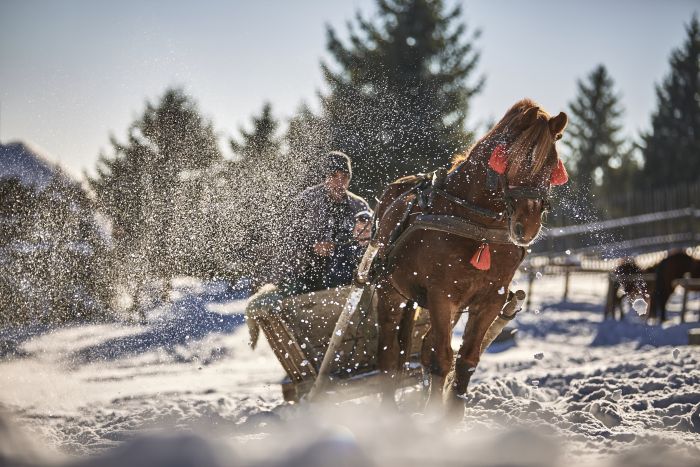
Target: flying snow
[(640, 306)]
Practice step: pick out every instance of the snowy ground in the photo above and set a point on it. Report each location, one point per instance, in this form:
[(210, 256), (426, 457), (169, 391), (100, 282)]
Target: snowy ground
[(611, 393)]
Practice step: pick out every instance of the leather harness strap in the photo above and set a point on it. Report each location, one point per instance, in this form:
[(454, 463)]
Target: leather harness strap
[(448, 224), (459, 226), (469, 206), (452, 225)]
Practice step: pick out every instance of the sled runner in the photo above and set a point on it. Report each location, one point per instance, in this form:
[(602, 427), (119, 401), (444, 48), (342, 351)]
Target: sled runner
[(299, 329)]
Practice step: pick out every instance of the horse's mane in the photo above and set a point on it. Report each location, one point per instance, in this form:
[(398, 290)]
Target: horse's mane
[(531, 146)]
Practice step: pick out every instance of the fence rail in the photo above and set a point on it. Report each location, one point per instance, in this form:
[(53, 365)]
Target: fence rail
[(624, 236)]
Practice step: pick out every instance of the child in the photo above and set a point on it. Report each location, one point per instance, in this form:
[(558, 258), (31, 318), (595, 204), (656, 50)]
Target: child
[(346, 257)]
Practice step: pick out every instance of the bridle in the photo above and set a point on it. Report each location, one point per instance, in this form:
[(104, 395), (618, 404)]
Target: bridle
[(508, 195), (433, 184), (423, 193)]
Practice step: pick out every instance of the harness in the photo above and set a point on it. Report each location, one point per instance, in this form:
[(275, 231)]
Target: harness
[(433, 184)]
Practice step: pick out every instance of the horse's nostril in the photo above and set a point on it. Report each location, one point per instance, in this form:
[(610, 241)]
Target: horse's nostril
[(519, 231)]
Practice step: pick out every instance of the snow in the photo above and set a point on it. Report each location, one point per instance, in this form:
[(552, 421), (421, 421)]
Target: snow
[(640, 306), (186, 390), (29, 164)]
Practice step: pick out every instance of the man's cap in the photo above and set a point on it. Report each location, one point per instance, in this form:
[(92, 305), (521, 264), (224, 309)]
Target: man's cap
[(337, 161)]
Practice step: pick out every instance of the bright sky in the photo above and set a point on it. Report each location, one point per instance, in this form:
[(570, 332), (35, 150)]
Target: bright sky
[(75, 71)]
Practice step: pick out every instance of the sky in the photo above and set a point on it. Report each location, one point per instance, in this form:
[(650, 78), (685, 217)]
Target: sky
[(74, 72)]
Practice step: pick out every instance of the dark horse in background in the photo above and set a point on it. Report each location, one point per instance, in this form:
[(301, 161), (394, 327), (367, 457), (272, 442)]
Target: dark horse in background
[(500, 186), (674, 266), (628, 277)]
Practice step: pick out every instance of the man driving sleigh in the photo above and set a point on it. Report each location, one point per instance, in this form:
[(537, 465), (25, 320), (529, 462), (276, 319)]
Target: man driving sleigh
[(331, 228)]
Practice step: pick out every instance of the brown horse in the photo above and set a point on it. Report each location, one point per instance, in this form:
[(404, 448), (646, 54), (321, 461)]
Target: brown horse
[(497, 190), (630, 278), (673, 267)]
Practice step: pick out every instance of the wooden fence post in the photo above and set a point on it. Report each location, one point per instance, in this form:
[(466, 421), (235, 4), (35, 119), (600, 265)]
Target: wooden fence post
[(566, 283), (530, 280)]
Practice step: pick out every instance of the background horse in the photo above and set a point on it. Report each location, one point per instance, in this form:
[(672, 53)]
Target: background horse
[(629, 278), (673, 267), (500, 184)]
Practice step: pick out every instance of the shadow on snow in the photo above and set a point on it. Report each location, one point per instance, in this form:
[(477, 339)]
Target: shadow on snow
[(188, 321)]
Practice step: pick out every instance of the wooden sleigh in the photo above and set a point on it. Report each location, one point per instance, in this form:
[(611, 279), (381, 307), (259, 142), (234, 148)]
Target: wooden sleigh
[(300, 327)]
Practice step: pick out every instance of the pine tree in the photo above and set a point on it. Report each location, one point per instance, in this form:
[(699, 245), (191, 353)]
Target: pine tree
[(671, 149), (599, 161), (151, 187), (263, 188), (260, 143), (55, 264), (307, 139), (399, 99)]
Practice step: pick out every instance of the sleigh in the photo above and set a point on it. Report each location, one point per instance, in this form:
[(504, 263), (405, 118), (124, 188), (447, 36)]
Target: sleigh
[(299, 329)]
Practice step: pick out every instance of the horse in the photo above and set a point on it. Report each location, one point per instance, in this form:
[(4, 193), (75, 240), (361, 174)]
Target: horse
[(489, 205), (629, 278), (673, 267)]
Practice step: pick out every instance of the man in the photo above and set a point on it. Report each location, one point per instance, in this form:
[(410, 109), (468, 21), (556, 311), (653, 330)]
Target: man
[(324, 222)]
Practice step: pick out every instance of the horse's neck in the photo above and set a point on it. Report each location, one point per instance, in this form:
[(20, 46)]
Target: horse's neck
[(469, 183)]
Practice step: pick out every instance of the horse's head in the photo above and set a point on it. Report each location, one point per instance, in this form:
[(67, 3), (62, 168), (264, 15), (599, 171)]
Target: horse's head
[(527, 165)]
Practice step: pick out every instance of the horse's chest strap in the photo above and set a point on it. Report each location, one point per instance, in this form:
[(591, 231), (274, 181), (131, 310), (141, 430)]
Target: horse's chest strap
[(459, 226)]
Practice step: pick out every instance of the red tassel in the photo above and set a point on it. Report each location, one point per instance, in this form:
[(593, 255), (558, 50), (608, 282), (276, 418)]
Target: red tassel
[(559, 175), (499, 160), (482, 258)]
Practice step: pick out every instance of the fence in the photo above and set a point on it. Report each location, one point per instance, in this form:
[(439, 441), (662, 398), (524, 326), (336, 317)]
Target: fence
[(568, 211), (625, 236), (655, 222)]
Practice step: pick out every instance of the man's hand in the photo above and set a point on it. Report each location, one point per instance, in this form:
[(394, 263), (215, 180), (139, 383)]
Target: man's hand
[(324, 248)]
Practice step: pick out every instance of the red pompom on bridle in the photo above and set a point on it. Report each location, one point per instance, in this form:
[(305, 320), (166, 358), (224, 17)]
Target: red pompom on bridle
[(499, 159), (481, 260), (559, 175)]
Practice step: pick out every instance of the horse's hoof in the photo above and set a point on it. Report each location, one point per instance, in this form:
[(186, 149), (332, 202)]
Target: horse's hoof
[(388, 404), (454, 408), (454, 414)]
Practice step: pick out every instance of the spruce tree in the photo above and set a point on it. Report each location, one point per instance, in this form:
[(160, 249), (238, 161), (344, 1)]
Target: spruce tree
[(598, 160), (671, 149), (307, 139), (151, 187), (400, 92), (262, 141), (262, 190)]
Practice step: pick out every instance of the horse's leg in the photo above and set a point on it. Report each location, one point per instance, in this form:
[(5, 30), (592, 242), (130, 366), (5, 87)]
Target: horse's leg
[(662, 296), (440, 357), (389, 314), (469, 354), (406, 335), (426, 356), (433, 383), (610, 302)]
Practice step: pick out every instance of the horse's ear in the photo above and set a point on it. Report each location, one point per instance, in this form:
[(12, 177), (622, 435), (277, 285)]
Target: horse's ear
[(530, 117), (557, 124)]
